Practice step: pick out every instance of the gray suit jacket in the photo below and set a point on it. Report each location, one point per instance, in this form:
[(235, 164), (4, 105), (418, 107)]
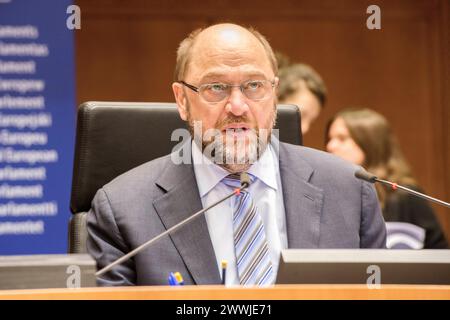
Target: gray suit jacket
[(326, 207)]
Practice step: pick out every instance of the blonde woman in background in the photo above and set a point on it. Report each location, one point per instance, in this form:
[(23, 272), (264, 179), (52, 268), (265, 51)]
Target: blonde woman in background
[(364, 137)]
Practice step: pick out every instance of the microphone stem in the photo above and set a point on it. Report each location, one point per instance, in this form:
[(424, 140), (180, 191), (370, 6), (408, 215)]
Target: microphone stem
[(418, 194), (173, 228)]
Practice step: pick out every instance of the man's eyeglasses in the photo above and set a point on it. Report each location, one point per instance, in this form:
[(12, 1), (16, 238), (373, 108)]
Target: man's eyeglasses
[(255, 90)]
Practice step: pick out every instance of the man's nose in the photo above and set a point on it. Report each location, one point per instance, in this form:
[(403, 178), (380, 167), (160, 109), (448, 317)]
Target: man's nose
[(237, 102)]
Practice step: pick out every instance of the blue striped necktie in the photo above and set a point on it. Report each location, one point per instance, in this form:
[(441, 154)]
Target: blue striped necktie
[(252, 252)]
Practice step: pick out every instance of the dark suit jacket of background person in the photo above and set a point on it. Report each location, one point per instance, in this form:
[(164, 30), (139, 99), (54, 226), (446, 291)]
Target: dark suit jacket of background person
[(404, 207), (325, 206)]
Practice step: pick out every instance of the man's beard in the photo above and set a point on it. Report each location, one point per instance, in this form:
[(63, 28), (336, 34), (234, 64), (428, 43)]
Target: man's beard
[(235, 150)]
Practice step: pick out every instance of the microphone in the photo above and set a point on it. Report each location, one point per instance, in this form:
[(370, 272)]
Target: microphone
[(245, 180), (369, 177), (364, 175), (245, 183)]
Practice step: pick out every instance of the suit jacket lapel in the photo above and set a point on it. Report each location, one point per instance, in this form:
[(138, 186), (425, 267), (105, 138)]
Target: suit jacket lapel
[(192, 240), (302, 201)]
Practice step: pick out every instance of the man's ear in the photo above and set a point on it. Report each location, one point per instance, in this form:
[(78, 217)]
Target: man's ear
[(180, 98), (277, 87), (277, 81)]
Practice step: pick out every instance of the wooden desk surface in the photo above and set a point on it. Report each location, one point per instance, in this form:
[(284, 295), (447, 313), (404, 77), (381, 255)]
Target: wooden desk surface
[(283, 292)]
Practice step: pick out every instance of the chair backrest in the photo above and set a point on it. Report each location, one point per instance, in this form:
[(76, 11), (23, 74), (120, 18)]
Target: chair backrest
[(114, 137)]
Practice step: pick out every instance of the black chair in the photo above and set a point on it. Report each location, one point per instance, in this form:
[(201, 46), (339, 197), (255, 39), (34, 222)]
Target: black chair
[(114, 137)]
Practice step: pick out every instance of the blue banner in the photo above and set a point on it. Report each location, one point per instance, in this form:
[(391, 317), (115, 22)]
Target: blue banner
[(37, 124)]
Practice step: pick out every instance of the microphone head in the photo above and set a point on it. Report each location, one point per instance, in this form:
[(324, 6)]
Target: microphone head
[(366, 176), (245, 180)]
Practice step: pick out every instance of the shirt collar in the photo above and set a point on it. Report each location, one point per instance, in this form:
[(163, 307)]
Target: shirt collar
[(208, 174), (265, 168)]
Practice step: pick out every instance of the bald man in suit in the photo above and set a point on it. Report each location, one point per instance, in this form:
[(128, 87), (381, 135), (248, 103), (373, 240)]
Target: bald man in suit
[(299, 197)]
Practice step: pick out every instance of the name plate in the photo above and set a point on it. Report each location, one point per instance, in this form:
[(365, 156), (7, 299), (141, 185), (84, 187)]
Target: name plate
[(47, 271), (364, 266)]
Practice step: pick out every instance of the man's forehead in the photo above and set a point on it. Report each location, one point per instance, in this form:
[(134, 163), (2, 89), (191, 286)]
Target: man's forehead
[(215, 68), (222, 73), (217, 53)]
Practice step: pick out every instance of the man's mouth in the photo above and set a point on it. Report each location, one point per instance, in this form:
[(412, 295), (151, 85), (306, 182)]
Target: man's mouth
[(237, 130), (236, 127)]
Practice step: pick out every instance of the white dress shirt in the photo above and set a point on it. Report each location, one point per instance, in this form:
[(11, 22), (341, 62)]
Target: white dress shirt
[(267, 194)]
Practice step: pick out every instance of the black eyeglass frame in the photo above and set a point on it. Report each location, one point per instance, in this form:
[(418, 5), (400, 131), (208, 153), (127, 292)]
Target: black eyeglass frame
[(197, 89)]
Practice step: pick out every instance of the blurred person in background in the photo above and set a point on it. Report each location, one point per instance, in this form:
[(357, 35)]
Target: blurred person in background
[(364, 137), (301, 85)]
